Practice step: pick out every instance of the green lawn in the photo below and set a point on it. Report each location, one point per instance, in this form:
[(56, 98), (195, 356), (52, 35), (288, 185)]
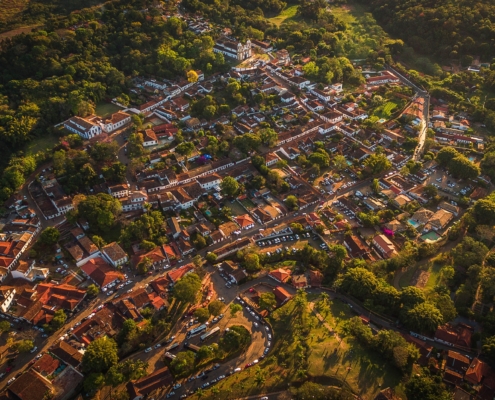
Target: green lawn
[(248, 204), (434, 278), (299, 336), (385, 110), (103, 109), (286, 14), (42, 143)]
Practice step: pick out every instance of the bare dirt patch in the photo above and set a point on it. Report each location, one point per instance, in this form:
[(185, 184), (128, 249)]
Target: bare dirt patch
[(420, 278)]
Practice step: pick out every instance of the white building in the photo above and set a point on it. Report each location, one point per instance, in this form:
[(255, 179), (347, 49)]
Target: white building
[(84, 127), (233, 49), (116, 121)]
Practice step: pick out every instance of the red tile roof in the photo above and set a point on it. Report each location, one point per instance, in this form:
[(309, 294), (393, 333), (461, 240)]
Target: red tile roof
[(179, 273), (100, 271), (281, 294), (280, 275)]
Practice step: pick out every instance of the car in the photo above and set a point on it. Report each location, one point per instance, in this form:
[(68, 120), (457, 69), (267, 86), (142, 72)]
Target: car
[(176, 386), (221, 377), (255, 324), (170, 395), (255, 362), (264, 398), (267, 328), (183, 396), (10, 381), (39, 356), (170, 339), (191, 378), (110, 292), (157, 346), (148, 350), (216, 366), (266, 350), (222, 299), (213, 381), (248, 365), (205, 385), (9, 368), (209, 370), (44, 335), (269, 337), (269, 343), (34, 349)]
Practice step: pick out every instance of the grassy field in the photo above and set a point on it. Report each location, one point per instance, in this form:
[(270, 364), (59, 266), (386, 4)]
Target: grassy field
[(286, 14), (405, 279), (43, 143), (304, 349), (385, 110), (103, 109), (434, 278)]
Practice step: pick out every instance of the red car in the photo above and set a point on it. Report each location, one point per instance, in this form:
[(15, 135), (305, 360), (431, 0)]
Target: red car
[(9, 369)]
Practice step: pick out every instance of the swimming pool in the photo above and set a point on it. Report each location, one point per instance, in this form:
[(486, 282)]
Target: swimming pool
[(431, 236), (413, 223)]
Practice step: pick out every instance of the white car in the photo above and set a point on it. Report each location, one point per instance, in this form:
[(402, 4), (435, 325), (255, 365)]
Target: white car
[(148, 350), (34, 349)]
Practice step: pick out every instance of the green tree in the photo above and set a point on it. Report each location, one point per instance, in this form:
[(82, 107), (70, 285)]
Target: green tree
[(446, 155), (216, 307), (339, 162), (205, 353), (25, 345), (202, 314), (469, 252), (292, 202), (100, 210), (234, 309), (426, 387), (187, 288), (183, 363), (377, 163), (411, 296), (252, 262), (489, 348), (430, 191), (92, 290), (49, 236), (58, 320), (236, 339), (424, 317), (320, 158), (375, 186), (100, 355), (229, 186), (267, 301), (268, 136), (4, 326), (185, 148), (211, 257), (93, 382)]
